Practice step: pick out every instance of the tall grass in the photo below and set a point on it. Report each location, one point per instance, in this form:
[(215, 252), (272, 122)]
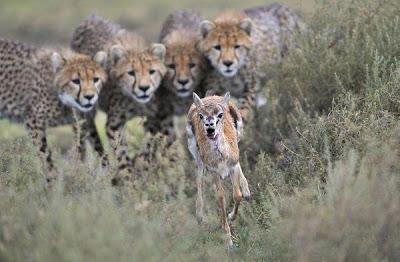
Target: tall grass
[(322, 161)]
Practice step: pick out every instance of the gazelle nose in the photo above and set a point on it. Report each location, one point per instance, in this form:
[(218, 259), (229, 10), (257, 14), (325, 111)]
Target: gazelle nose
[(228, 63), (183, 82), (144, 88), (88, 97)]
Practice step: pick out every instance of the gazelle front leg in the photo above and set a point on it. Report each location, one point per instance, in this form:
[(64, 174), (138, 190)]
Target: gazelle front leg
[(235, 176), (220, 195), (244, 186), (199, 199)]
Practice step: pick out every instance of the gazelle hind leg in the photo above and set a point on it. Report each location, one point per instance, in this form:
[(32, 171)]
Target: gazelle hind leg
[(243, 184), (237, 194)]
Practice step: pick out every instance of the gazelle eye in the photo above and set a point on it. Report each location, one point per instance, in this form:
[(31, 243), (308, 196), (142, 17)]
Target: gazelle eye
[(76, 81), (96, 79), (191, 65), (172, 66), (152, 71), (201, 116), (217, 47), (220, 115), (237, 46), (131, 73)]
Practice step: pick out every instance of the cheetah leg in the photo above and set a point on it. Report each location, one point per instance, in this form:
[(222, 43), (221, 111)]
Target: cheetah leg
[(248, 101), (237, 194), (220, 195), (80, 137), (37, 130), (114, 128), (94, 139)]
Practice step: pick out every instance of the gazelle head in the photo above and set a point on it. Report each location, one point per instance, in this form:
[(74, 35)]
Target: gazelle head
[(211, 115)]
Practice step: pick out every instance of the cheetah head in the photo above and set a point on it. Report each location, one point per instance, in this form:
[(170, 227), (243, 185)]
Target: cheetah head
[(226, 44), (138, 74), (185, 63), (79, 78)]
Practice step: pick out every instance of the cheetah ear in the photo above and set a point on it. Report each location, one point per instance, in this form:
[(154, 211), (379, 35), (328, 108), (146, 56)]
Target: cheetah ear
[(117, 52), (227, 97), (246, 25), (206, 27), (197, 101), (56, 61), (101, 58), (158, 50)]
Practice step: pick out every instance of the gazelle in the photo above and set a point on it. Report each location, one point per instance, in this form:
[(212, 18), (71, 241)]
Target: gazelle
[(213, 129)]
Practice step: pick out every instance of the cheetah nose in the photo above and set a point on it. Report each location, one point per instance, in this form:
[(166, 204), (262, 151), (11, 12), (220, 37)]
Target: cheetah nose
[(183, 82), (228, 63), (144, 88), (89, 97)]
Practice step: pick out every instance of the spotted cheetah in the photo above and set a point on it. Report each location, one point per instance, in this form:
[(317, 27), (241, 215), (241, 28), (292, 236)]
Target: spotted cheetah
[(41, 88), (135, 72), (186, 70), (241, 45)]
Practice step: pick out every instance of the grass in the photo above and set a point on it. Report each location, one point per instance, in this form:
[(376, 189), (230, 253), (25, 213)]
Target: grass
[(322, 160)]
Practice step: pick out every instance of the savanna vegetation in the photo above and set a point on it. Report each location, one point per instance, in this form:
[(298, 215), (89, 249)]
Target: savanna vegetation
[(322, 161)]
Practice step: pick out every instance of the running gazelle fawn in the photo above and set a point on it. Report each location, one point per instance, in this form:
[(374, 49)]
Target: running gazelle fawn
[(213, 129)]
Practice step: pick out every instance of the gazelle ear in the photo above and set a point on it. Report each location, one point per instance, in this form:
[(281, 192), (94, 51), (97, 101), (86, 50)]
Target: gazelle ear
[(197, 101), (117, 52), (56, 61), (246, 25), (227, 97), (206, 27), (158, 50), (101, 58)]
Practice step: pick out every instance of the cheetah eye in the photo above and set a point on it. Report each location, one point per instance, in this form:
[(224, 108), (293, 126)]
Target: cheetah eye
[(220, 115), (192, 65), (152, 71), (76, 81), (237, 46), (131, 73), (217, 47), (172, 66), (201, 116), (96, 79)]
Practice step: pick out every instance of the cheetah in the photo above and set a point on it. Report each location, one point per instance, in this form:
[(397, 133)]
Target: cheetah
[(186, 70), (241, 45), (135, 72), (42, 88)]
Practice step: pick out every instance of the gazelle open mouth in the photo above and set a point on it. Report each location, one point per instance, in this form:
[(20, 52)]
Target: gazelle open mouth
[(211, 133)]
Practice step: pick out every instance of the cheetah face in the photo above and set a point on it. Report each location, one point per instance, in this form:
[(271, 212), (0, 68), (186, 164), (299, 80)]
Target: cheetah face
[(185, 67), (139, 74), (211, 116), (227, 47), (79, 79)]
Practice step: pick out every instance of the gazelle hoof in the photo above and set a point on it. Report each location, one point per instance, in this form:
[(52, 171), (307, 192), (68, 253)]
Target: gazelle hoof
[(232, 216), (229, 242)]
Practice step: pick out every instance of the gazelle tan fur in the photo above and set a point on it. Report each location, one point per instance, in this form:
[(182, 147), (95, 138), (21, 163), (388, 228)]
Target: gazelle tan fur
[(213, 129)]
